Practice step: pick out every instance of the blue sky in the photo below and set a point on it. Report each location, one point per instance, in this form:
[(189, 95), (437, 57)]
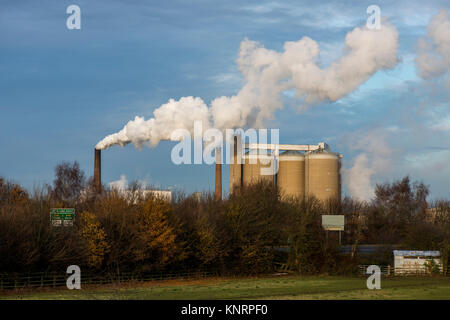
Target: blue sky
[(61, 91)]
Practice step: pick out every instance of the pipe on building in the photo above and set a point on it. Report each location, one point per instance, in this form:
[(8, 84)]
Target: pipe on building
[(238, 161), (236, 166), (218, 186), (98, 170)]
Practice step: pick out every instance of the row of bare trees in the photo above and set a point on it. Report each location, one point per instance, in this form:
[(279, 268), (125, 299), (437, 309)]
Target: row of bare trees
[(250, 231)]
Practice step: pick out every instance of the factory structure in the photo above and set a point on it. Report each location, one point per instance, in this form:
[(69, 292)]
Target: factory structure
[(297, 170)]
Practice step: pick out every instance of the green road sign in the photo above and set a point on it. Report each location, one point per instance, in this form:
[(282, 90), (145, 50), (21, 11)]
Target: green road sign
[(62, 217)]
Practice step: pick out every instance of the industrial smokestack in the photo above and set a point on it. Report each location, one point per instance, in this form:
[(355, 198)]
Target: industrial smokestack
[(218, 189), (98, 170)]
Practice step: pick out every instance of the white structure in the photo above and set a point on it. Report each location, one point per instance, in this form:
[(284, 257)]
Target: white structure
[(291, 147), (415, 261), (133, 195), (161, 194), (333, 222)]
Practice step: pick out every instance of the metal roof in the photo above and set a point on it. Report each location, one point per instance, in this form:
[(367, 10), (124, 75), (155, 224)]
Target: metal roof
[(291, 153), (417, 253)]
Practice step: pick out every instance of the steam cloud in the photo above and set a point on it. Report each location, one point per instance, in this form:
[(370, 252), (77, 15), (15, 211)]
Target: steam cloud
[(433, 58), (432, 61), (167, 118), (375, 158), (121, 184), (267, 74)]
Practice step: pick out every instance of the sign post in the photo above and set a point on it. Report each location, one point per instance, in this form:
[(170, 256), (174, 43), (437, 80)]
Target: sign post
[(62, 217), (333, 223)]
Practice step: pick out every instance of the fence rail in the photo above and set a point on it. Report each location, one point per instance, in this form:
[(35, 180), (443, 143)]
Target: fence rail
[(385, 270), (388, 270), (58, 279)]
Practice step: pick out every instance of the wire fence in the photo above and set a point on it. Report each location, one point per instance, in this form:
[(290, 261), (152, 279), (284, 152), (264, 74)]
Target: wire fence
[(58, 279), (388, 270)]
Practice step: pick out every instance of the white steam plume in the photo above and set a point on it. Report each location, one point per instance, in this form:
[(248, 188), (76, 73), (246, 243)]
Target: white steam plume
[(433, 58), (375, 158), (167, 118), (268, 73), (121, 184)]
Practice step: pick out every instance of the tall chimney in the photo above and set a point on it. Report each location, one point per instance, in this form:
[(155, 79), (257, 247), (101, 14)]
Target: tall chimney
[(98, 170), (218, 189)]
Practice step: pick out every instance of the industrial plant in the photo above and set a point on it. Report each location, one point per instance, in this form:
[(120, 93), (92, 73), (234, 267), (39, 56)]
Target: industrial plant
[(297, 170)]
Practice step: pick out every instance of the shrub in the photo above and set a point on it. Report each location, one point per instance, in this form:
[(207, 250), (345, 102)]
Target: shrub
[(95, 237)]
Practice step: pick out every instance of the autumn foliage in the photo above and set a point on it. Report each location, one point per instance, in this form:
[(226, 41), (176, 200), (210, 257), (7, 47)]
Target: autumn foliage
[(95, 238), (254, 230)]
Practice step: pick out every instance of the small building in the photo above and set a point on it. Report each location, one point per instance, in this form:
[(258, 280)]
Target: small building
[(416, 261), (161, 194), (133, 195), (197, 196)]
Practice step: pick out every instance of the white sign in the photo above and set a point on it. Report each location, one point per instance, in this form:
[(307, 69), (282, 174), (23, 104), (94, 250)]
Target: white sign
[(333, 222)]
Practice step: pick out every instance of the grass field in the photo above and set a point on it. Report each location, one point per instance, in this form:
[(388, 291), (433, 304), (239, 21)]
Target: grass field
[(274, 287)]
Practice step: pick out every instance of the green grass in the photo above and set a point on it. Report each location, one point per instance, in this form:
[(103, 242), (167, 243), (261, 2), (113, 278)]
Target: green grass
[(281, 287)]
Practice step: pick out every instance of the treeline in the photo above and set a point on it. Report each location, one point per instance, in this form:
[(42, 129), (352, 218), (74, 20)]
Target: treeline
[(252, 231)]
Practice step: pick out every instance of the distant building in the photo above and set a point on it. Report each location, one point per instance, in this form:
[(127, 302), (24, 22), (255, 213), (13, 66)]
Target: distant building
[(133, 195), (162, 194), (197, 196)]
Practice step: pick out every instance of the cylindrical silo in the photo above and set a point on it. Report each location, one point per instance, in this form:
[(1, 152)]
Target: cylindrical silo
[(291, 174), (322, 176), (235, 167), (257, 167)]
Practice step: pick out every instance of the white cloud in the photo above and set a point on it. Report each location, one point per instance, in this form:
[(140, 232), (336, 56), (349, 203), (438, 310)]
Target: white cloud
[(227, 77), (442, 124), (433, 58)]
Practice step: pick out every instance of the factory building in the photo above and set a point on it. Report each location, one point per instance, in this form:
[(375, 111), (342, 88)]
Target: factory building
[(322, 174), (253, 165), (291, 173), (297, 170), (303, 170)]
